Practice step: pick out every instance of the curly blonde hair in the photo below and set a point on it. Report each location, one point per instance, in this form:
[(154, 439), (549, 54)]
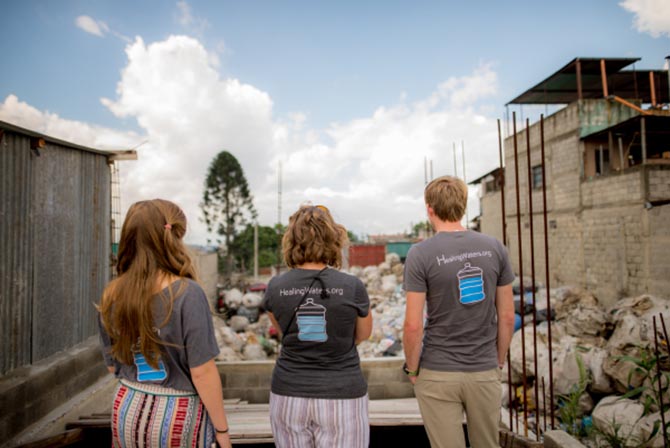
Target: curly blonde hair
[(313, 236)]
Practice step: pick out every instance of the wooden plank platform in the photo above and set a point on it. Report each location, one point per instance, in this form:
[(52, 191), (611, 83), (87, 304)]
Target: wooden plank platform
[(250, 423)]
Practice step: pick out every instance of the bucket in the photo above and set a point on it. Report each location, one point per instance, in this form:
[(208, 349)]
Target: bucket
[(311, 319), (471, 284)]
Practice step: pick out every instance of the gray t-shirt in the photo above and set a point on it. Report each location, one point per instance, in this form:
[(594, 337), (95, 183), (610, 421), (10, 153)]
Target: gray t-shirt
[(318, 358), (459, 272), (189, 333)]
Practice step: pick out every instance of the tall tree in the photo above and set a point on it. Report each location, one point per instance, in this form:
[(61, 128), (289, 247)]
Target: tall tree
[(226, 202)]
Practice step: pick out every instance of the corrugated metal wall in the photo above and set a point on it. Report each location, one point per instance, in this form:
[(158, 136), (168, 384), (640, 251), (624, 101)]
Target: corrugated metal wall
[(54, 247)]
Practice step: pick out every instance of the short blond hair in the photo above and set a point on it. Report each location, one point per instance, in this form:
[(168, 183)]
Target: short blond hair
[(448, 197), (313, 236)]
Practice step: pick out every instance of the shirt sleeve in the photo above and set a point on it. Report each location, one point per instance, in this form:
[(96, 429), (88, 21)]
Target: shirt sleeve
[(361, 299), (105, 343), (506, 273), (198, 329), (414, 279), (266, 304)]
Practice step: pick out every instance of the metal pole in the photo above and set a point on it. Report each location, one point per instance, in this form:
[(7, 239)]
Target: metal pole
[(544, 407), (522, 301), (455, 166), (256, 252), (578, 69), (532, 261), (504, 238), (467, 215), (660, 386), (602, 161), (425, 170), (621, 160), (546, 269), (643, 132)]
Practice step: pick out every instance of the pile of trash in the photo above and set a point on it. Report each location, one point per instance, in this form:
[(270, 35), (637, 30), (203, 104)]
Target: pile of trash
[(387, 306), (243, 332), (602, 365)]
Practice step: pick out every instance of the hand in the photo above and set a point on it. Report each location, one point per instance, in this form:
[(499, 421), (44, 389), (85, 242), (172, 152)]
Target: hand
[(412, 379), (224, 440)]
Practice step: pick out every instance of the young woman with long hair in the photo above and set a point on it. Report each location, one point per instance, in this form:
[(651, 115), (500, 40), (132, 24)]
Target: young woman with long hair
[(318, 393), (158, 339)]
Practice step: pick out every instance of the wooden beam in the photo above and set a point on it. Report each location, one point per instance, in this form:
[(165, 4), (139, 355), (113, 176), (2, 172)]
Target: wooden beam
[(603, 76), (579, 79), (652, 88)]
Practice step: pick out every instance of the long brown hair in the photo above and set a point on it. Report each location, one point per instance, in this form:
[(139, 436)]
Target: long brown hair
[(150, 250), (313, 236)]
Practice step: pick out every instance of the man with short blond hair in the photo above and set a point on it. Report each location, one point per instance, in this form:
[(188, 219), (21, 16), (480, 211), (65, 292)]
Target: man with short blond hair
[(465, 279)]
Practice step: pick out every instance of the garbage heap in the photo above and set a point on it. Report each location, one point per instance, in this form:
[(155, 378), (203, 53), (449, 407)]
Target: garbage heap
[(244, 332), (604, 368)]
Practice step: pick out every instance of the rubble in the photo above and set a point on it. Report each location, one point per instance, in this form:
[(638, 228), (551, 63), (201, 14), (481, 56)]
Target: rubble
[(607, 341)]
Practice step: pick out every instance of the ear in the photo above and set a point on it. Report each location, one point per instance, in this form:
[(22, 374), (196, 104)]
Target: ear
[(430, 211)]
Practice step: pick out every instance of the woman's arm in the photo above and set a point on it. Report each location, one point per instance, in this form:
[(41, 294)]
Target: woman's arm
[(208, 384), (363, 328)]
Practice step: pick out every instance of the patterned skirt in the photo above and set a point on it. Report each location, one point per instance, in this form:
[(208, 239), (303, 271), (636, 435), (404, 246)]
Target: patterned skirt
[(146, 415)]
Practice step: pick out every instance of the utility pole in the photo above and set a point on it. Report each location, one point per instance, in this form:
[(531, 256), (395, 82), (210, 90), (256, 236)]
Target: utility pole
[(467, 217), (279, 236)]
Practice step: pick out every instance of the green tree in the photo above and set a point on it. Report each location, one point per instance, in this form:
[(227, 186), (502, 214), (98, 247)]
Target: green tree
[(227, 203), (243, 247), (353, 238)]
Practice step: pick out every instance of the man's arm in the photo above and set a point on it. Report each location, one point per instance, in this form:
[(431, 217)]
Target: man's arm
[(413, 330), (505, 310)]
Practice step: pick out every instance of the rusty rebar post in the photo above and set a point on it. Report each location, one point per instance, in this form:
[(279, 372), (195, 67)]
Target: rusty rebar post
[(546, 268), (544, 407), (532, 267), (665, 333), (522, 301), (660, 385), (504, 238)]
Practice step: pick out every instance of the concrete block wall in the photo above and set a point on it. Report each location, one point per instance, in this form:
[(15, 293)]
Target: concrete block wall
[(250, 380), (659, 183), (30, 393), (659, 251), (491, 213), (615, 189)]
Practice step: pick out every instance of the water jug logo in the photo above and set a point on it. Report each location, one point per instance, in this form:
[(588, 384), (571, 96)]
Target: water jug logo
[(147, 373), (471, 284), (312, 322)]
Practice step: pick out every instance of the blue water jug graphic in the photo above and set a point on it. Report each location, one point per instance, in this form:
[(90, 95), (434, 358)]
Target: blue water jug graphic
[(471, 284), (147, 373), (312, 322)]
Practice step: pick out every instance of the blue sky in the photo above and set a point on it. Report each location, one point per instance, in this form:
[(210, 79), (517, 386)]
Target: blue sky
[(330, 89)]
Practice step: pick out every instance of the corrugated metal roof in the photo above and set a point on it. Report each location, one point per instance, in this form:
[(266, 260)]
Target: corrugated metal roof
[(125, 154), (561, 87)]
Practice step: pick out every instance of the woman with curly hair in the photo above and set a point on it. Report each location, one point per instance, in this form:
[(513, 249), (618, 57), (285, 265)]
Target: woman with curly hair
[(318, 393)]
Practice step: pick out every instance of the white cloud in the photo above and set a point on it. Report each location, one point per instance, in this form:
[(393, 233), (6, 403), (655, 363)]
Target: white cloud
[(651, 16), (92, 26), (368, 171), (186, 19)]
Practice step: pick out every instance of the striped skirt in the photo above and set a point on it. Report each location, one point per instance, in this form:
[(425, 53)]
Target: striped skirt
[(147, 415)]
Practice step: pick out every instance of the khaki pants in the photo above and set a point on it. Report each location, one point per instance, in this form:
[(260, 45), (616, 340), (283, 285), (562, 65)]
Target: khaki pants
[(444, 396)]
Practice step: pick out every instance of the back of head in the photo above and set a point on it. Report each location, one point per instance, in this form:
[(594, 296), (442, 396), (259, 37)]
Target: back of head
[(313, 236), (150, 250), (151, 239), (448, 197)]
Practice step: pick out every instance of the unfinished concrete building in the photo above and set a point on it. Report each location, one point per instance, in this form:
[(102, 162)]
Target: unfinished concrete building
[(607, 180)]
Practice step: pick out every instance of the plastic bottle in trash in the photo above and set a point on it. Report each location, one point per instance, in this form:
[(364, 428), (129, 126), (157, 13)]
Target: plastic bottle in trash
[(471, 284), (311, 319)]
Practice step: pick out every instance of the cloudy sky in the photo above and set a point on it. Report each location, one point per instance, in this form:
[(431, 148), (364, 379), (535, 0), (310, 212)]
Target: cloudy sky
[(351, 97)]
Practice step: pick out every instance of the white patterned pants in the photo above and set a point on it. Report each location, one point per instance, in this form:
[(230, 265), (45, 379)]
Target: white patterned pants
[(317, 422)]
